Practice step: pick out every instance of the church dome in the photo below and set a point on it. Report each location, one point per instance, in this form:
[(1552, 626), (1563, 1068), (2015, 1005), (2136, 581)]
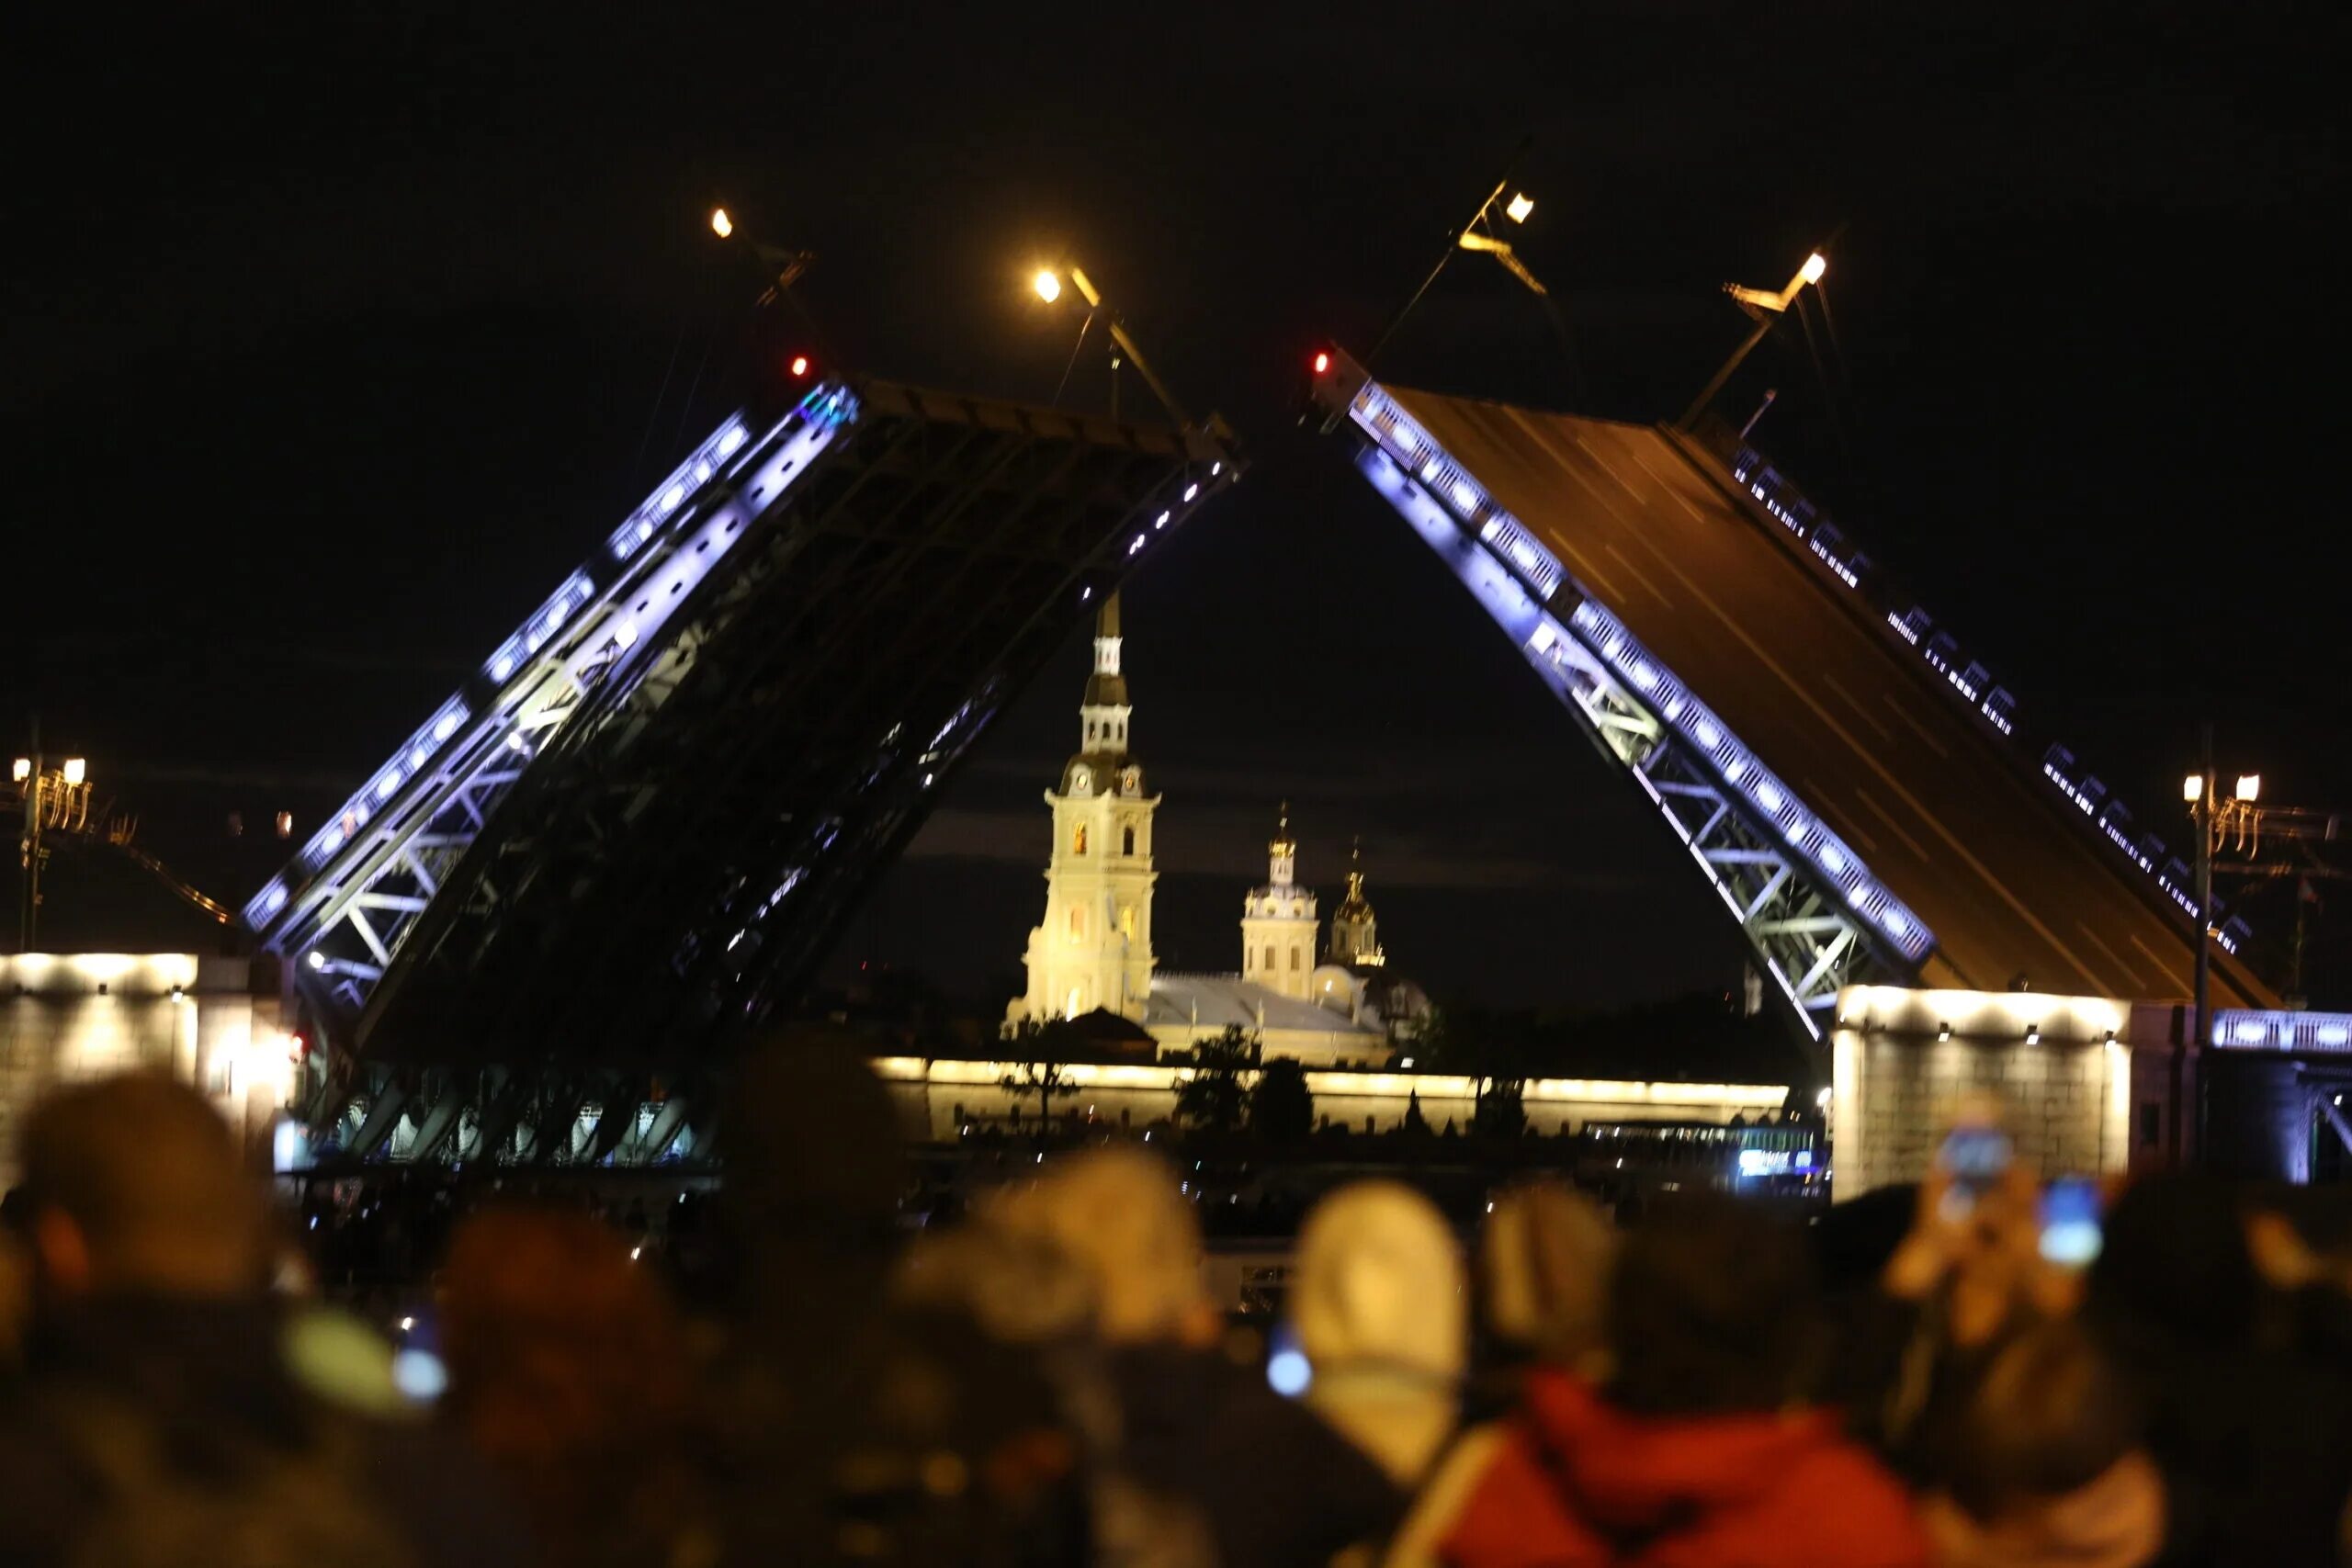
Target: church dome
[(1336, 986)]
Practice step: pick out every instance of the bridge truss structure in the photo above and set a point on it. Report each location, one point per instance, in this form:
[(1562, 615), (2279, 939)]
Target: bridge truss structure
[(627, 839), (1814, 917)]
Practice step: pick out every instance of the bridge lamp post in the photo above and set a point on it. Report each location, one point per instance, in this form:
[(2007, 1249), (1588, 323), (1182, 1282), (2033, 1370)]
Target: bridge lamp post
[(56, 798), (1046, 283), (1764, 306)]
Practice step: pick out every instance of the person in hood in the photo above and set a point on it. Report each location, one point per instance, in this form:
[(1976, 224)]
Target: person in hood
[(2042, 1468), (1379, 1303), (1700, 1448), (162, 1419), (1203, 1439), (1545, 1256)]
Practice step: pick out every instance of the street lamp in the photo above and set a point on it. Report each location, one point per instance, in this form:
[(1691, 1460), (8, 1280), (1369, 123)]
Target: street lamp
[(788, 264), (1763, 305), (2249, 787), (1047, 285), (54, 797), (1466, 239)]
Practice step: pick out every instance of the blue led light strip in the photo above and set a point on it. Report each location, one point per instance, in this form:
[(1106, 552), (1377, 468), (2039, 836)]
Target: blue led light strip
[(454, 735), (1651, 685), (1972, 681), (2247, 1029)]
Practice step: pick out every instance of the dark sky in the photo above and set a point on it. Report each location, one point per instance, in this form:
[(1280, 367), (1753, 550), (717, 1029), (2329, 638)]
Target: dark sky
[(332, 340)]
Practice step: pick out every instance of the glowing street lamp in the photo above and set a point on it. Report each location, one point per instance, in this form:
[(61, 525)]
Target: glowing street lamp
[(1046, 283), (1469, 238), (2192, 788), (55, 796), (1763, 305), (2249, 787), (788, 264)]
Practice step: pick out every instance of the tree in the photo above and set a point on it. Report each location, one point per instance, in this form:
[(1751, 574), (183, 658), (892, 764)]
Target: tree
[(1041, 1079), (1415, 1123), (1211, 1100), (1499, 1112), (1282, 1111)]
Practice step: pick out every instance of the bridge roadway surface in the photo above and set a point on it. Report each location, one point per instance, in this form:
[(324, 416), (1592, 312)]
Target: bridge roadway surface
[(1861, 729)]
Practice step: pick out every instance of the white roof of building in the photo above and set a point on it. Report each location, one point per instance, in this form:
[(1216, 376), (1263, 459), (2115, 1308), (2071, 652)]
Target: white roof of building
[(1228, 999)]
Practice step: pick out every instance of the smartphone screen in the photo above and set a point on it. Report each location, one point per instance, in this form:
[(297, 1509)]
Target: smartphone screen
[(1974, 1157), (2070, 1229)]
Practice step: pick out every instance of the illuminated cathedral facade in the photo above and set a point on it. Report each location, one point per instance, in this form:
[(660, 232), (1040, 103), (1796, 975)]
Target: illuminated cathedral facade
[(1092, 952)]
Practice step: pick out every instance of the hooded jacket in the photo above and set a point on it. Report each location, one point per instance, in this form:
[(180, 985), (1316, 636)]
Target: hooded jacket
[(1378, 1300), (1578, 1482)]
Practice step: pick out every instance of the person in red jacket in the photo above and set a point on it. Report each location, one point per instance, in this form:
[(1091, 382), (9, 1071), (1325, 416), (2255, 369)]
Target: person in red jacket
[(1698, 1449)]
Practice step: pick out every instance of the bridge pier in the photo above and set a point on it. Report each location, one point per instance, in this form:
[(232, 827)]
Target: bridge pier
[(2063, 1071)]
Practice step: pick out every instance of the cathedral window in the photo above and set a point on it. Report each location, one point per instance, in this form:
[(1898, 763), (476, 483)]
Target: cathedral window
[(1294, 961), (1270, 961), (1127, 839), (1078, 840), (1127, 921), (1076, 922)]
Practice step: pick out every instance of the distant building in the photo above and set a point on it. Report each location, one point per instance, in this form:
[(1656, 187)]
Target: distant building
[(1093, 950)]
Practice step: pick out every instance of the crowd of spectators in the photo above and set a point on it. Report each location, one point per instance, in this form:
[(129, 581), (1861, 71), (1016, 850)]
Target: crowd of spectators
[(795, 1373)]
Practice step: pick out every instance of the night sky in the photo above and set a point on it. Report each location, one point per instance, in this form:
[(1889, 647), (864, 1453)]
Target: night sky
[(334, 339)]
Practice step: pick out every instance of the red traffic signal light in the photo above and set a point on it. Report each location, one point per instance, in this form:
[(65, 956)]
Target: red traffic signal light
[(799, 365), (1322, 363)]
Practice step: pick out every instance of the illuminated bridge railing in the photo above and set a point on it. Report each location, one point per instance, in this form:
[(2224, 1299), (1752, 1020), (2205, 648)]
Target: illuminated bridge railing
[(1739, 768), (1966, 678), (1402, 437), (2236, 1028), (1548, 613), (370, 867)]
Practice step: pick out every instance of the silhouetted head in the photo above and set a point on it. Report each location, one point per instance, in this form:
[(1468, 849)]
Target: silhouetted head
[(1119, 1214), (1854, 1238), (556, 1338), (2049, 1417), (814, 1164), (1711, 1310), (2175, 1265), (135, 1184), (1544, 1264)]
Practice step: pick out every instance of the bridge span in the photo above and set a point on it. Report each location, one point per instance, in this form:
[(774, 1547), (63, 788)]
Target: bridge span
[(1737, 654)]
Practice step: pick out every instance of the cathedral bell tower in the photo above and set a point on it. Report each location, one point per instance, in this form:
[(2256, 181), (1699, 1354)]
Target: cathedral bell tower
[(1279, 923), (1355, 935), (1094, 948)]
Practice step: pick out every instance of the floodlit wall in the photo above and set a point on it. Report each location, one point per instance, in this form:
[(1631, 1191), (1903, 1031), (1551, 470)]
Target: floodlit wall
[(930, 1094), (67, 1018), (1906, 1063)]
